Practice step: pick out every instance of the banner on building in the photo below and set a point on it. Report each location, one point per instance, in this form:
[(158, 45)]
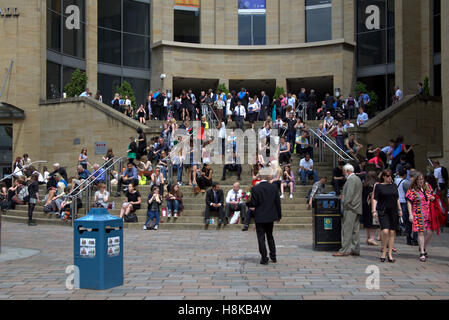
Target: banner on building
[(188, 3), (252, 6)]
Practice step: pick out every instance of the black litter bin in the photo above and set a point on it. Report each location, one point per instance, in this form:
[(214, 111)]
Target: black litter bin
[(326, 223)]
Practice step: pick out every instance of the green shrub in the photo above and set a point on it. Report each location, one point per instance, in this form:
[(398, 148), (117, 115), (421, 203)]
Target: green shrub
[(222, 87), (126, 90), (374, 98), (77, 85), (278, 92), (426, 86)]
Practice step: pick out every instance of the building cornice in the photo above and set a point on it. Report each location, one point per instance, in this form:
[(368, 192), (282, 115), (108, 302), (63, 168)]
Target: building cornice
[(320, 44)]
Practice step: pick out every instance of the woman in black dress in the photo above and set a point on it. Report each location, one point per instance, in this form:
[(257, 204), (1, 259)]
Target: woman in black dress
[(141, 113), (387, 208), (367, 217), (33, 191), (133, 201), (205, 180), (142, 147)]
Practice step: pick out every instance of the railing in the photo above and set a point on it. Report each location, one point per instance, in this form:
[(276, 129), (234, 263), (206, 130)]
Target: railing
[(21, 170), (89, 182), (337, 152)]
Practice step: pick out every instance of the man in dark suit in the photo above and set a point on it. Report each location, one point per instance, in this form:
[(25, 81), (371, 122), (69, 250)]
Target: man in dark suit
[(265, 106), (267, 209), (214, 202)]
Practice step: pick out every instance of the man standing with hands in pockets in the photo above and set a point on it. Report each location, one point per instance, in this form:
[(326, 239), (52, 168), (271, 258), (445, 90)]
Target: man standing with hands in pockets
[(352, 210), (267, 209)]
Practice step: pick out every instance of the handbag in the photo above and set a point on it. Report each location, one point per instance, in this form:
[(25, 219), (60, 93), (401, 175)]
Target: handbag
[(131, 217), (235, 218)]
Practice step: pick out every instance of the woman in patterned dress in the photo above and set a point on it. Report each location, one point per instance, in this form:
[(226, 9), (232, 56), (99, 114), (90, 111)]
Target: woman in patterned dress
[(419, 198)]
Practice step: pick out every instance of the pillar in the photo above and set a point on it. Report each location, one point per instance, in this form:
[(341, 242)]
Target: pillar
[(207, 22), (337, 19), (92, 46), (445, 77), (272, 21)]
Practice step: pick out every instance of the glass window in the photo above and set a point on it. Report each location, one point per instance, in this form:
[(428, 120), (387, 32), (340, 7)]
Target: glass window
[(109, 14), (318, 20), (437, 26), (245, 29), (136, 17), (141, 88), (53, 30), (67, 75), (136, 51), (109, 46), (74, 29), (375, 32), (53, 80), (187, 26), (108, 85)]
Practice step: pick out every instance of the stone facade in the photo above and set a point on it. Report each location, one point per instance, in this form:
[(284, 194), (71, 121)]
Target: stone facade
[(24, 42), (418, 120), (445, 77)]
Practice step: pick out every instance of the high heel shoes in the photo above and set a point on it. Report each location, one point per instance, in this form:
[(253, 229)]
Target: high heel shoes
[(391, 260)]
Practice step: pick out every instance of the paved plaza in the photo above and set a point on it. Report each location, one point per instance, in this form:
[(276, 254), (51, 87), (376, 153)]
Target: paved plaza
[(169, 265)]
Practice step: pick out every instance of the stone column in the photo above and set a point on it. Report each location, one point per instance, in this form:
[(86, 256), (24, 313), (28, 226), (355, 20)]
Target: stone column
[(349, 21), (445, 77), (408, 44), (272, 21), (231, 22), (92, 46), (337, 19), (167, 18), (207, 22)]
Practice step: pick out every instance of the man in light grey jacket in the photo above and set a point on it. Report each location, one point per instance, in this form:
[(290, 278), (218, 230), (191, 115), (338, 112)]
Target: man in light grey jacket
[(352, 210)]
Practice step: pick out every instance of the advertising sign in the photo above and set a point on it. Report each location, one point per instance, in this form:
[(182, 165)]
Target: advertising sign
[(252, 6), (188, 3), (101, 148)]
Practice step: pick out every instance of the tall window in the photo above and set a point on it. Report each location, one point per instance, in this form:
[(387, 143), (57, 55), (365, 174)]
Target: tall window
[(187, 21), (252, 22), (66, 35), (375, 32), (436, 26), (124, 33), (318, 20), (124, 51)]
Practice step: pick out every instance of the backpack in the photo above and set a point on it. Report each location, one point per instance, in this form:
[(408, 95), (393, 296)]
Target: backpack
[(445, 175), (23, 194), (131, 217)]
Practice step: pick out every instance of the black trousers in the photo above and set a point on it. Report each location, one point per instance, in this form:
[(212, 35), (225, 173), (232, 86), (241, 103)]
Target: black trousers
[(262, 230), (31, 207), (209, 209)]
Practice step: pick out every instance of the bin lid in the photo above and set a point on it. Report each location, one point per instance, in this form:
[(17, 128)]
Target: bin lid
[(99, 214), (326, 197)]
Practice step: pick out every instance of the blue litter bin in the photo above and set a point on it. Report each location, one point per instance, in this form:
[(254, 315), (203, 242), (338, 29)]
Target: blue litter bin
[(98, 245), (326, 223)]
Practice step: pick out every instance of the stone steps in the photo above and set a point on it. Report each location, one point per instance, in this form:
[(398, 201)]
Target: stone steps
[(162, 226), (142, 217)]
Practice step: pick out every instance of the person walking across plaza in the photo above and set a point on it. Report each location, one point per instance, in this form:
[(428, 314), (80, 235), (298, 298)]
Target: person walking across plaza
[(387, 207), (419, 198), (352, 210), (266, 203)]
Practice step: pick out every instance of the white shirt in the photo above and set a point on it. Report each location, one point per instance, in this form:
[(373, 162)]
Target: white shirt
[(253, 107), (307, 165), (438, 175), (242, 111), (128, 102), (399, 94), (232, 194), (222, 132), (399, 182)]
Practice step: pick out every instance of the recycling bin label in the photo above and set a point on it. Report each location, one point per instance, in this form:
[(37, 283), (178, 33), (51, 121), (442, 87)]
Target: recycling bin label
[(113, 246), (328, 224)]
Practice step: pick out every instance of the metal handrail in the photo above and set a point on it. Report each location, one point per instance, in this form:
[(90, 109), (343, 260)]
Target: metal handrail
[(73, 197), (24, 168), (349, 158), (92, 174), (336, 154), (90, 182)]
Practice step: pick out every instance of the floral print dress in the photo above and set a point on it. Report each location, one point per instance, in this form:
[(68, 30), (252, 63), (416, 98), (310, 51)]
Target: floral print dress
[(420, 201)]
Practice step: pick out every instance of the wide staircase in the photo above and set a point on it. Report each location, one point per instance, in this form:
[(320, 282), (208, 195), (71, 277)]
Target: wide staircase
[(296, 214)]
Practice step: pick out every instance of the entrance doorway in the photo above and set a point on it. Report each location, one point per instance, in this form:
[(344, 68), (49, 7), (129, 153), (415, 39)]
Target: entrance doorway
[(197, 85), (5, 151), (254, 87), (321, 85)]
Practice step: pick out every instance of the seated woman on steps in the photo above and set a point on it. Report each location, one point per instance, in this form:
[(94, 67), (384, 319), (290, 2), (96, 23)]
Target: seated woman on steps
[(133, 201)]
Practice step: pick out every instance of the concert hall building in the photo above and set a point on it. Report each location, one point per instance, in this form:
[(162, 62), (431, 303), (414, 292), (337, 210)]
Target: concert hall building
[(327, 45)]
